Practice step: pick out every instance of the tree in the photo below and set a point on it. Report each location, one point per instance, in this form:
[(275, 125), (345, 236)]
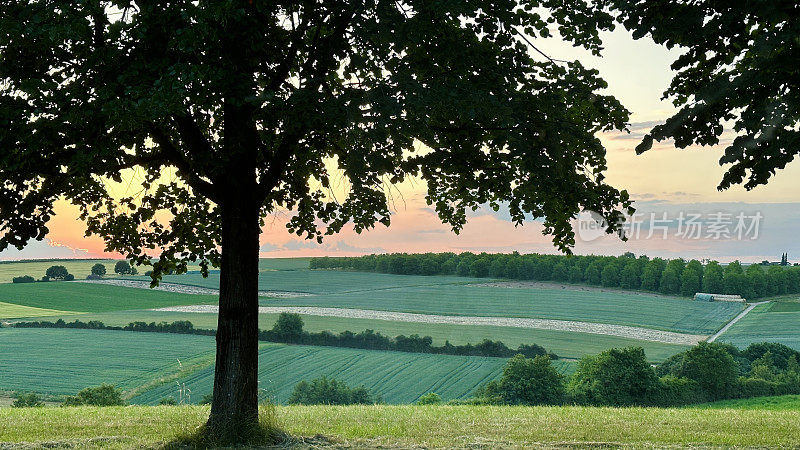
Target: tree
[(737, 67), (99, 269), (712, 367), (288, 327), (28, 400), (713, 278), (629, 277), (691, 278), (615, 377), (247, 102), (671, 277), (527, 381), (610, 275), (56, 272), (123, 268), (651, 274), (103, 395)]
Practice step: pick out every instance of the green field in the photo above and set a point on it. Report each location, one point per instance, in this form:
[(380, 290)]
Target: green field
[(419, 427), (771, 322), (78, 267), (87, 297), (564, 343), (321, 281), (63, 361), (672, 314), (13, 311), (776, 403), (60, 362), (397, 377)]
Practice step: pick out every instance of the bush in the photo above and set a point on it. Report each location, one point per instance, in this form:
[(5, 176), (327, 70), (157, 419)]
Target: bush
[(677, 391), (92, 276), (207, 399), (168, 401), (528, 381), (99, 270), (69, 277), (103, 395), (29, 400), (324, 391), (24, 279), (45, 279), (615, 377), (56, 273), (431, 398)]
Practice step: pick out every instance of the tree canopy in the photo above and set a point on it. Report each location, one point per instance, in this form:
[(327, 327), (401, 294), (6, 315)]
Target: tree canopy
[(739, 70)]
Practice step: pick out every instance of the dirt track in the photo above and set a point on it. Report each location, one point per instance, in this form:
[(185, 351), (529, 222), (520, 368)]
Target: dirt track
[(644, 334)]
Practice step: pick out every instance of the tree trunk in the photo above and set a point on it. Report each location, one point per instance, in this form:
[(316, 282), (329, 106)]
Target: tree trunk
[(234, 409)]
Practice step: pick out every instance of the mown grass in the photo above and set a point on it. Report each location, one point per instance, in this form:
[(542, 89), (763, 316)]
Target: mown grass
[(87, 297), (428, 426), (774, 403)]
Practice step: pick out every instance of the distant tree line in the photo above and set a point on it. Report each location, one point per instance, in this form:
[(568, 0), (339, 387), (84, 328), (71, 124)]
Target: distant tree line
[(288, 329), (328, 391), (624, 377), (672, 277)]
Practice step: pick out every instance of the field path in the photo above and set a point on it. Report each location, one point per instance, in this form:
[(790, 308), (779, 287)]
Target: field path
[(644, 334), (734, 320)]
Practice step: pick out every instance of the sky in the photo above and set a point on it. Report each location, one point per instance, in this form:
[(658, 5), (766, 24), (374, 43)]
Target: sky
[(680, 212)]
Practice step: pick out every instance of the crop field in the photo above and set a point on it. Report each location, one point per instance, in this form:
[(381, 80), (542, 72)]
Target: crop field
[(564, 343), (321, 281), (87, 297), (771, 322), (671, 314), (12, 311), (60, 362), (397, 377), (78, 267)]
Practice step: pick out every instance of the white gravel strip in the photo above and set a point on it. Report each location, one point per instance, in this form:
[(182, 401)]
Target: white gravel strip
[(184, 289), (644, 334)]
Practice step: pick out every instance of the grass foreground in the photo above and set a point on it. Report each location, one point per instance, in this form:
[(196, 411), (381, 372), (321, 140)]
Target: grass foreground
[(408, 426)]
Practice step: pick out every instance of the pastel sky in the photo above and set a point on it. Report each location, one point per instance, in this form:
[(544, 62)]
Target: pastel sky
[(678, 183)]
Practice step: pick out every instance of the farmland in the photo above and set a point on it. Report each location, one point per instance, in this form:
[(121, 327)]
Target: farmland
[(396, 377), (59, 362), (86, 297), (772, 322), (78, 267), (13, 311), (671, 314), (565, 344)]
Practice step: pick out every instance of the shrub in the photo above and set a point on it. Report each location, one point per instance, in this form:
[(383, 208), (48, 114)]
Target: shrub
[(98, 270), (56, 272), (103, 395), (168, 401), (324, 391), (207, 399), (69, 277), (24, 279), (431, 398), (92, 276), (676, 391), (45, 279), (527, 381), (615, 377), (29, 400)]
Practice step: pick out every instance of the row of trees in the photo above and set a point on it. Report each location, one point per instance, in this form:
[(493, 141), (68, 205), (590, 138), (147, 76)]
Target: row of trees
[(61, 273), (328, 391), (103, 395), (288, 329), (624, 377), (673, 277)]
